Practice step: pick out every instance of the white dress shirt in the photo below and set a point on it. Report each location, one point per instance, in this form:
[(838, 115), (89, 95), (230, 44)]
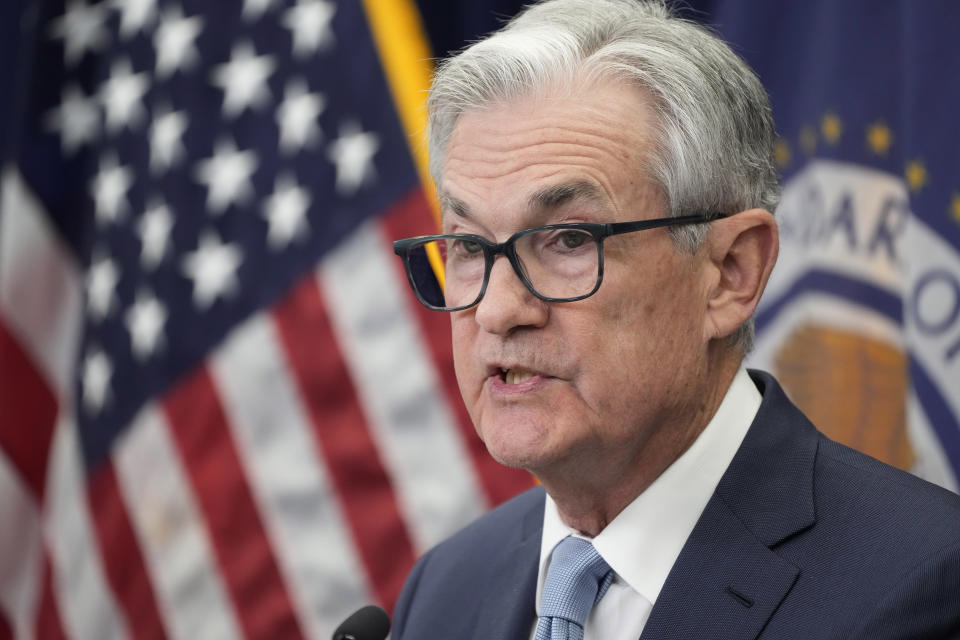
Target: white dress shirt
[(643, 542)]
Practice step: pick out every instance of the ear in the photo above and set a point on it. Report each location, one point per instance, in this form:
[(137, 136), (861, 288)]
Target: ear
[(742, 251)]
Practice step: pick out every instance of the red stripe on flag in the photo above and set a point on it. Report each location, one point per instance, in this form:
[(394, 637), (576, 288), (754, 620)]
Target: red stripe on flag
[(356, 471), (49, 626), (412, 217), (123, 561), (6, 632), (29, 410), (243, 550)]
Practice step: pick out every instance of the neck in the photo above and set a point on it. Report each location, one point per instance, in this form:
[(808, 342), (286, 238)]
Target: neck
[(590, 493)]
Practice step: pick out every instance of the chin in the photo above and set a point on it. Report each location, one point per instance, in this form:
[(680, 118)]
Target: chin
[(514, 462), (516, 447)]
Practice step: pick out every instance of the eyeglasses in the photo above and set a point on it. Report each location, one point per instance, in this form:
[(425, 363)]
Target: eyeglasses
[(556, 263)]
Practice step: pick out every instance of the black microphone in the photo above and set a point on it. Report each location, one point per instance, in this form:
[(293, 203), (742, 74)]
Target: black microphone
[(366, 623)]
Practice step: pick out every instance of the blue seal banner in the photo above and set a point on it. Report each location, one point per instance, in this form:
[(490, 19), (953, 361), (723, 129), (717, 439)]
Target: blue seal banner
[(861, 320)]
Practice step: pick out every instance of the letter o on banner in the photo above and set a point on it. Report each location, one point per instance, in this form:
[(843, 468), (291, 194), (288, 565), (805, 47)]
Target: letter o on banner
[(935, 303)]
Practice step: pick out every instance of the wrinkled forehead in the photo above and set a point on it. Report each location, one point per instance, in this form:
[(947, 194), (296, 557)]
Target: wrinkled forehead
[(544, 150)]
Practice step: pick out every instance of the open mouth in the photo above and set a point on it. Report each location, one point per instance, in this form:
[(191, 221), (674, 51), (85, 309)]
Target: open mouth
[(515, 376)]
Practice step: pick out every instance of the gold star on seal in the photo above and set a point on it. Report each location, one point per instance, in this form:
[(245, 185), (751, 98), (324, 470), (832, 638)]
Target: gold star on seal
[(916, 175), (782, 153), (955, 206), (831, 128), (879, 138), (808, 140)]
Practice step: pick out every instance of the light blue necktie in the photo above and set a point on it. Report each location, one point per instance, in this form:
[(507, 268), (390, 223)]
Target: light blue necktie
[(576, 580)]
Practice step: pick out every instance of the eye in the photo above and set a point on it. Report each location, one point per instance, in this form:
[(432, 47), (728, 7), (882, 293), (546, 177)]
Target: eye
[(563, 241), (466, 246), (572, 239)]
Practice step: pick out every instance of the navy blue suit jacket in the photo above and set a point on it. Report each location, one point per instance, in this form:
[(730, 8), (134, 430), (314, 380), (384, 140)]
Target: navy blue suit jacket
[(803, 539)]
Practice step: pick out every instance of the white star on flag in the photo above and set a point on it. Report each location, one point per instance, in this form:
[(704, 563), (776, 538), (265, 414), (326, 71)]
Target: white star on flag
[(102, 279), (353, 153), (121, 95), (97, 372), (297, 117), (154, 230), (82, 28), (253, 10), (227, 176), (286, 212), (309, 21), (173, 42), (109, 190), (244, 79), (166, 133), (145, 320), (135, 14), (213, 269), (77, 119)]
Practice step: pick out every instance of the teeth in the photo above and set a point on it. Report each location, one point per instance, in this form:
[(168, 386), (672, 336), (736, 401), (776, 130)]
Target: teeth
[(516, 376)]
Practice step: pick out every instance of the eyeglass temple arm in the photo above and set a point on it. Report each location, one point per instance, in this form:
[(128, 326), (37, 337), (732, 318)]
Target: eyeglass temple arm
[(616, 228)]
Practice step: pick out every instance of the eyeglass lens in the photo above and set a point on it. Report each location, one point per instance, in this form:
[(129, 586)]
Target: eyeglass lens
[(557, 263)]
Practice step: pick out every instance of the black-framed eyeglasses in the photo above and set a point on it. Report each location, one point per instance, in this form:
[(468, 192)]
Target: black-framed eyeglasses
[(556, 262)]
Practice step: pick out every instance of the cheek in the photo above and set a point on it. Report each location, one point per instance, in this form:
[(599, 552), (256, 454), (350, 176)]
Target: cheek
[(659, 311), (607, 349), (463, 337), (649, 335)]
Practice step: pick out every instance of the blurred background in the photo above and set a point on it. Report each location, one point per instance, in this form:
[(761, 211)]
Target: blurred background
[(223, 414)]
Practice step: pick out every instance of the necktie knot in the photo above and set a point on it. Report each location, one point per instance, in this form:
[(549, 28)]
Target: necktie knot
[(576, 580)]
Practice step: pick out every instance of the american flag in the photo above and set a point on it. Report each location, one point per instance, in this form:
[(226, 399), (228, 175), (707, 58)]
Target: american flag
[(222, 414)]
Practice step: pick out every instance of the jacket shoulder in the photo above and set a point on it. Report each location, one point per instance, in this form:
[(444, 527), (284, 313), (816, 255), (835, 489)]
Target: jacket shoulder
[(455, 574), (923, 515)]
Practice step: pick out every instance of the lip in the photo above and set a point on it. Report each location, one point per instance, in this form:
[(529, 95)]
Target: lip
[(498, 387)]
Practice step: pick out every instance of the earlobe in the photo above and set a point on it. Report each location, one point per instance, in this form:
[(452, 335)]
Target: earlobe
[(743, 249)]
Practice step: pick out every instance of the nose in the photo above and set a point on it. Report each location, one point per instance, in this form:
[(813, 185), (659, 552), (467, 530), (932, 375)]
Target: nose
[(507, 303)]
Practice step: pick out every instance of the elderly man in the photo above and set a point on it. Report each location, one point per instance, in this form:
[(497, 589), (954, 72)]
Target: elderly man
[(606, 180)]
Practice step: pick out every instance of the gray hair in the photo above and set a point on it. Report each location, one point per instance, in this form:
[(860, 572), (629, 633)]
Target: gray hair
[(712, 143)]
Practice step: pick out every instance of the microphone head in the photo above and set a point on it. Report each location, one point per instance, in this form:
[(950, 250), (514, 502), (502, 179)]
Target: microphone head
[(367, 623)]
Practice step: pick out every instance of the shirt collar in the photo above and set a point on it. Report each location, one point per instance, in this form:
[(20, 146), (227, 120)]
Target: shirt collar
[(642, 543)]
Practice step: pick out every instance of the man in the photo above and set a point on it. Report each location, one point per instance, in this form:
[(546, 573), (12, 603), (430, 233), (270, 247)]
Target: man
[(606, 177)]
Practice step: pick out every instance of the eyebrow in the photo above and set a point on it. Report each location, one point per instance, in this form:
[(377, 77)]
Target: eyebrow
[(453, 205), (561, 194)]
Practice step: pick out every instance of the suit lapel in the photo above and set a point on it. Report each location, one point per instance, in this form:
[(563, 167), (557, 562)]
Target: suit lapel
[(729, 580), (725, 584), (509, 609)]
